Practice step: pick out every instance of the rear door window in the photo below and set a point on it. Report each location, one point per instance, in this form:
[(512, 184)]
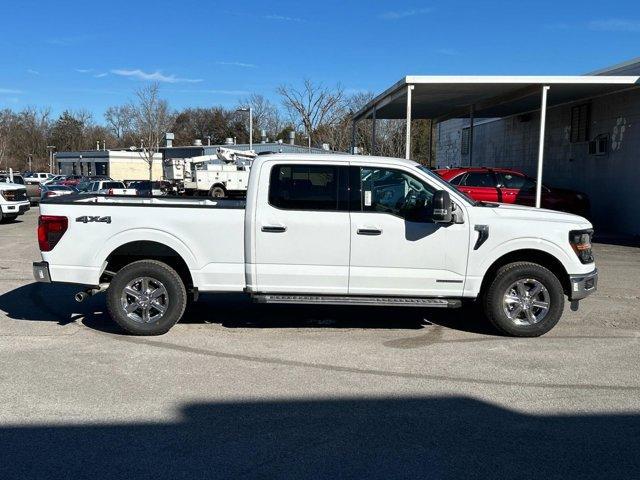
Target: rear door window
[(306, 187)]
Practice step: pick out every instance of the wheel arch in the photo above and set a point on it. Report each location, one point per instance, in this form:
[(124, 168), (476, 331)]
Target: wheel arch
[(135, 250), (532, 255)]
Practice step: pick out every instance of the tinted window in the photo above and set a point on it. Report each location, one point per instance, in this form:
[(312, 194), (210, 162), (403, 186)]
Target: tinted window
[(304, 187), (456, 180), (479, 179), (395, 192), (510, 180), (112, 185)]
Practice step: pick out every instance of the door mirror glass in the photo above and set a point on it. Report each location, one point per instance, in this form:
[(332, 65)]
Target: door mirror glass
[(442, 207)]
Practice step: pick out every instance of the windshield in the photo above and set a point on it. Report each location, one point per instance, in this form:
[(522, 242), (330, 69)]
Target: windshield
[(445, 184), (16, 179)]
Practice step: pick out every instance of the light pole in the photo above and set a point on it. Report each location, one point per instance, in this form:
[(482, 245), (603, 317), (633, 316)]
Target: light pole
[(250, 110), (51, 148)]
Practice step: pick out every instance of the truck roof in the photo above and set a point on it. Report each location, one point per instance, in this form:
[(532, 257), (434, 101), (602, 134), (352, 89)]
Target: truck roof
[(337, 157)]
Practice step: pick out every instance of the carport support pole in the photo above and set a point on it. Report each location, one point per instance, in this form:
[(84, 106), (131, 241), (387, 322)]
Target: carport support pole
[(471, 113), (353, 137), (543, 121), (373, 131), (407, 143)]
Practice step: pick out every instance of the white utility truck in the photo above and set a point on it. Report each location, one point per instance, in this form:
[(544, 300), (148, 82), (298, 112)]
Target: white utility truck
[(330, 229), (221, 175)]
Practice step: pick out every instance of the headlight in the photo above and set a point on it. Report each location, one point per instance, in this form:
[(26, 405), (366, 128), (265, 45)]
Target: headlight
[(580, 241)]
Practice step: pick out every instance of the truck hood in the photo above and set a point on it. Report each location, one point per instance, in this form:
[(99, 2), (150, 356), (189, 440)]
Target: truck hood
[(10, 186), (522, 212)]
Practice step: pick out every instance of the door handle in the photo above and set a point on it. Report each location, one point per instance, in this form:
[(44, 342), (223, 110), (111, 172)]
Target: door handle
[(274, 228), (369, 231)]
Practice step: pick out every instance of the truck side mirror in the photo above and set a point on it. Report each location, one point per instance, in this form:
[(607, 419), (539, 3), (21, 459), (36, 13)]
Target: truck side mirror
[(442, 207)]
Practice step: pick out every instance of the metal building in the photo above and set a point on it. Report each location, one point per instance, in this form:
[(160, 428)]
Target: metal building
[(117, 164)]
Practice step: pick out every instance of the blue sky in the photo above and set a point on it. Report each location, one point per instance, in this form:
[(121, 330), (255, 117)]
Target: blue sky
[(71, 54)]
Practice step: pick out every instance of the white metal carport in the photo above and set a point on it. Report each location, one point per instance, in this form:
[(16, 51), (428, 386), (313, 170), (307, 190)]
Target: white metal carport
[(440, 98)]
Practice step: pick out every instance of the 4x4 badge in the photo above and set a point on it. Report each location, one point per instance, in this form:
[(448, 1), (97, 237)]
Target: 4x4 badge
[(87, 219)]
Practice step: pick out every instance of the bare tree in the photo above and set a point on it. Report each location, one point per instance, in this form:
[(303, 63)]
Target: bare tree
[(265, 114), (312, 105), (6, 122), (119, 120), (151, 119)]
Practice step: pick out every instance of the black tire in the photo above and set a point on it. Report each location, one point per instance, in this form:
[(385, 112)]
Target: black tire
[(217, 191), (176, 297), (494, 298)]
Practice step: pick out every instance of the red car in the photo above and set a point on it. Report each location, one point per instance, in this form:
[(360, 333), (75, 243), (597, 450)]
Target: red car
[(505, 185)]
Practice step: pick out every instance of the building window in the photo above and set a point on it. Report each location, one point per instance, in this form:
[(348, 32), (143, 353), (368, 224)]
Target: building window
[(464, 147), (580, 123)]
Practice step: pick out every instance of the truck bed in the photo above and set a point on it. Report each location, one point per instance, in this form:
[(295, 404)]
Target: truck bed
[(207, 234), (138, 201)]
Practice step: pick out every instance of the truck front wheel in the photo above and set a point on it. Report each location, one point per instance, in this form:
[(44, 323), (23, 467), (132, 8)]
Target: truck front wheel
[(146, 297), (524, 300)]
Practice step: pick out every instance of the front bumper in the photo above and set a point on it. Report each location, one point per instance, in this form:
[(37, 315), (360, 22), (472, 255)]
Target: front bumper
[(41, 272), (583, 285), (15, 208)]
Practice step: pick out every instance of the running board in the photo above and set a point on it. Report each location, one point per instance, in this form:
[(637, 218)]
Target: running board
[(358, 300)]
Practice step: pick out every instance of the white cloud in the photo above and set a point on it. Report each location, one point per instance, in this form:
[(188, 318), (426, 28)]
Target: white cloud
[(283, 18), (212, 92), (84, 70), (237, 64), (154, 77), (397, 15), (32, 71), (615, 25), (451, 52), (226, 92), (10, 91), (100, 75)]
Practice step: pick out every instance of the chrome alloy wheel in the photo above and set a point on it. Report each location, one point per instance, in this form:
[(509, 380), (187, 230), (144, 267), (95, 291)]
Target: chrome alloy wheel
[(526, 302), (144, 300)]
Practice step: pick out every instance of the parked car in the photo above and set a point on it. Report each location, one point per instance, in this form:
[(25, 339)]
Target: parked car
[(146, 188), (55, 179), (85, 182), (38, 177), (71, 180), (109, 187), (321, 229), (13, 200), (50, 191), (506, 185)]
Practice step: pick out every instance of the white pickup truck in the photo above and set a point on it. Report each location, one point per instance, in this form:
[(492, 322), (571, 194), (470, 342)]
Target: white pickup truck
[(13, 200), (330, 229)]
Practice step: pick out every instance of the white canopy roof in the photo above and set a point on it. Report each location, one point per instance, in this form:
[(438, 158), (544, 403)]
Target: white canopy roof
[(441, 97)]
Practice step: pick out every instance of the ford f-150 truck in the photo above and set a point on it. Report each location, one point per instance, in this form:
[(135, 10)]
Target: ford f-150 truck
[(13, 200), (329, 229)]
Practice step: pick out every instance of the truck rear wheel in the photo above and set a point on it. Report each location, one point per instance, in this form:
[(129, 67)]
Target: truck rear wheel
[(146, 297), (217, 192), (524, 300)]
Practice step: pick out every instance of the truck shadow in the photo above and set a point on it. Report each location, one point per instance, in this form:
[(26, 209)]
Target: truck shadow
[(55, 303), (381, 438)]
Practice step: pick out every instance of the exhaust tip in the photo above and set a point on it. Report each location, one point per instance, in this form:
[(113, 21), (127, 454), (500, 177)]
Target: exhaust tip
[(81, 296)]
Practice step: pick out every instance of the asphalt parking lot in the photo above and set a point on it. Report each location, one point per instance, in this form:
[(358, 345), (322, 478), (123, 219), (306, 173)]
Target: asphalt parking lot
[(240, 390)]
